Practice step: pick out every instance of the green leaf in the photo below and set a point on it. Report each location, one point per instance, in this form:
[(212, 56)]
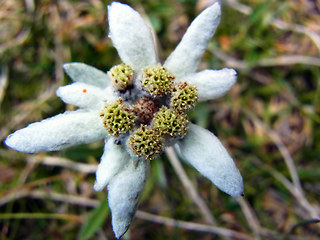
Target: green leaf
[(95, 221)]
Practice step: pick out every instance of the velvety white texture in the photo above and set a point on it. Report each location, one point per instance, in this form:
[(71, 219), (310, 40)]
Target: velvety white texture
[(82, 95), (125, 176), (124, 193), (203, 150), (187, 55), (81, 72), (114, 158), (59, 132), (131, 36), (211, 84)]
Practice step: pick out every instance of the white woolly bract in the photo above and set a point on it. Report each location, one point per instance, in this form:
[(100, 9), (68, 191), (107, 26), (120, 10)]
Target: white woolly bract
[(124, 193), (203, 150), (211, 84), (81, 72), (59, 132), (82, 95), (131, 36), (187, 55), (114, 159)]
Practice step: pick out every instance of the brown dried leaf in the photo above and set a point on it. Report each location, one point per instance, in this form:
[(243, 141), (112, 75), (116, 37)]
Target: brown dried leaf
[(277, 209), (6, 173), (293, 131)]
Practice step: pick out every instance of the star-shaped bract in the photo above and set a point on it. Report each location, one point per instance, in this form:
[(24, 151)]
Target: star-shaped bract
[(123, 173)]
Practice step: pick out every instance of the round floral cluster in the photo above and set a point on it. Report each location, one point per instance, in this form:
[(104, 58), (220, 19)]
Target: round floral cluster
[(146, 142), (184, 97), (122, 76), (169, 123), (150, 121), (117, 118), (157, 80)]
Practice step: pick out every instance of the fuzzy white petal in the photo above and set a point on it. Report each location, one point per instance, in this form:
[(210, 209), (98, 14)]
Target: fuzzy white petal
[(124, 193), (114, 158), (187, 55), (82, 95), (203, 150), (58, 132), (211, 84), (131, 36), (81, 72)]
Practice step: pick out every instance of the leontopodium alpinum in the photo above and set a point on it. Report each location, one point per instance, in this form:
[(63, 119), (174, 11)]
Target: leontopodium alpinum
[(139, 108)]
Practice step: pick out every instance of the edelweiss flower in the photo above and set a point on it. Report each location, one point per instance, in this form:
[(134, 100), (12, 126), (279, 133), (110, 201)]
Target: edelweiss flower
[(139, 108)]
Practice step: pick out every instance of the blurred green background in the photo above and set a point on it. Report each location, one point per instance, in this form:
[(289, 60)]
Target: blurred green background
[(269, 122)]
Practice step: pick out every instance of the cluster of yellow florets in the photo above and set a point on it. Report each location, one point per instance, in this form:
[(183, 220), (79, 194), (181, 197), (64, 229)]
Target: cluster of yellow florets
[(146, 142), (184, 97), (122, 76), (117, 118), (157, 80), (169, 123), (148, 126)]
